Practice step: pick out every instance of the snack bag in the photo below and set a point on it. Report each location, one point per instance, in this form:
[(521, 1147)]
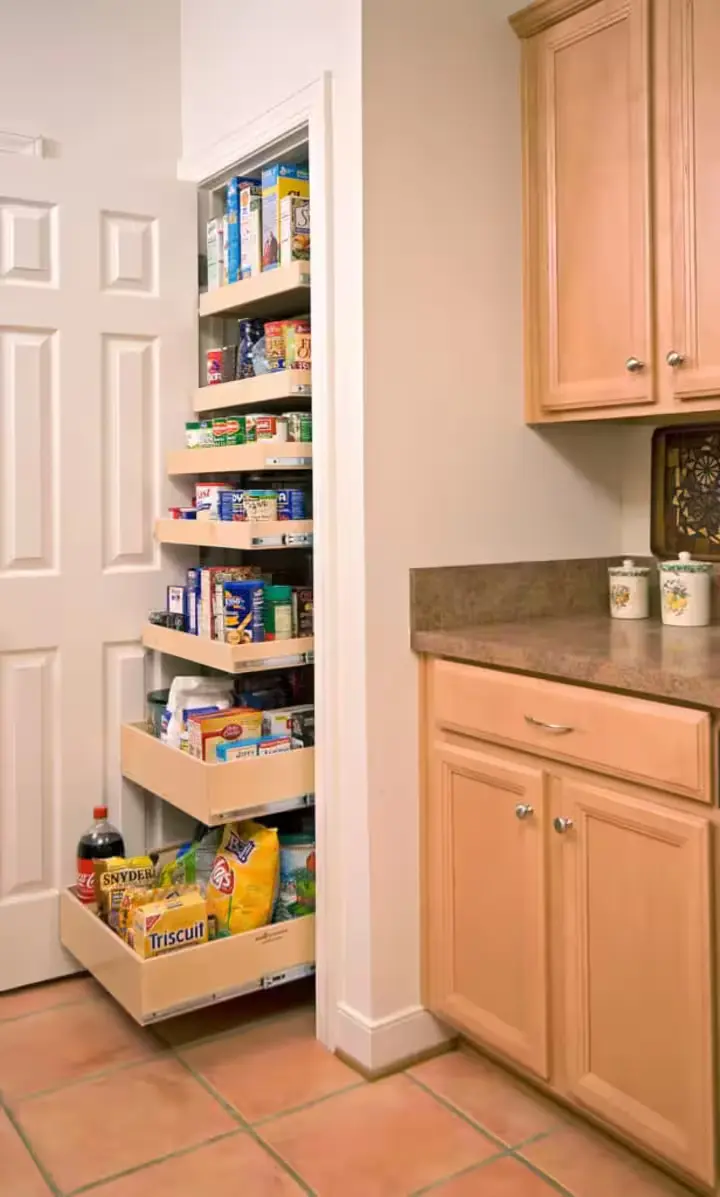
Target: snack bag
[(116, 875), (244, 879), (182, 869)]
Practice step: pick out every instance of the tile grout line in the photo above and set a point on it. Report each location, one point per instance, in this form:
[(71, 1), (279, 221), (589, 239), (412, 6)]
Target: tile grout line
[(448, 1105), (46, 1176), (51, 1009), (88, 1078), (549, 1180), (308, 1105), (234, 1113), (160, 1159), (469, 1171)]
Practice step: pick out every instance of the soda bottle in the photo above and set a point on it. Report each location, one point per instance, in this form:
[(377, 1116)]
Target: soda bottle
[(99, 842)]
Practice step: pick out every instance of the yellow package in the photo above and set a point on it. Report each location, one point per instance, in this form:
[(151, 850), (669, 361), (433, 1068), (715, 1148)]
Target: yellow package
[(172, 923), (116, 875), (131, 899), (244, 879)]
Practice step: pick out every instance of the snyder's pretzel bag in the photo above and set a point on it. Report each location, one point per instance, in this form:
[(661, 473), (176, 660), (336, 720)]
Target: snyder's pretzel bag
[(244, 879), (116, 875)]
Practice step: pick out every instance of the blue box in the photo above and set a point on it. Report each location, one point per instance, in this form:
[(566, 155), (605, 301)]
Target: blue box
[(232, 225), (291, 504), (243, 612), (232, 505), (192, 599)]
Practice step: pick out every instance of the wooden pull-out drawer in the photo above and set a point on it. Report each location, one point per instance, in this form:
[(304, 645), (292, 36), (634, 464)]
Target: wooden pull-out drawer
[(171, 984), (650, 742)]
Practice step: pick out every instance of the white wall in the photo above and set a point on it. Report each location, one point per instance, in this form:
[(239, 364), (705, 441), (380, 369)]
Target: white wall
[(635, 490), (98, 78), (452, 475)]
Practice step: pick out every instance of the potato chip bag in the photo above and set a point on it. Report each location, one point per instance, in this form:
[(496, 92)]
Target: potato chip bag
[(244, 879)]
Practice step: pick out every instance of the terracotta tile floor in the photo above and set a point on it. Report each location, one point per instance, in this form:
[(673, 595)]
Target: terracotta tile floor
[(243, 1100)]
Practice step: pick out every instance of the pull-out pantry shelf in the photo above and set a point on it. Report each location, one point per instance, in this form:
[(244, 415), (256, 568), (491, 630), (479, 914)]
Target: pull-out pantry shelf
[(230, 658), (235, 534), (272, 294), (189, 978), (213, 793), (278, 387), (236, 459)]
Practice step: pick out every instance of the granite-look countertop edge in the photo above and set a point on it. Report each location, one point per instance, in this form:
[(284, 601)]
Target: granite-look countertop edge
[(636, 657)]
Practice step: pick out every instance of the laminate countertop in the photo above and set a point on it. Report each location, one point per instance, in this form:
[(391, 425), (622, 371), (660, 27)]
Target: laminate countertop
[(633, 656)]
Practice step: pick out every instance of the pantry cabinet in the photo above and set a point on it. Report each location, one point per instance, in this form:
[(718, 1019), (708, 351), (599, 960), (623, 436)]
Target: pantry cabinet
[(486, 871), (621, 114), (567, 921)]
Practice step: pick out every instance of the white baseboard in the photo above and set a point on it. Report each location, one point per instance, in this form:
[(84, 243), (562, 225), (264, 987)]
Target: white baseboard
[(380, 1043)]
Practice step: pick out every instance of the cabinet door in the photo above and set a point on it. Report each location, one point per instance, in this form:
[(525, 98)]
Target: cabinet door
[(587, 199), (485, 901), (637, 958), (687, 48)]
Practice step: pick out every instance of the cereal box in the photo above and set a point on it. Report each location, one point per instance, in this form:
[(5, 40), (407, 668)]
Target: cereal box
[(250, 230), (232, 216), (169, 924), (294, 230), (215, 258), (277, 183), (205, 732)]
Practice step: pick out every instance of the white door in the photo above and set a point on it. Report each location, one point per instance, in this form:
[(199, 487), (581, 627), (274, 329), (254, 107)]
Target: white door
[(98, 337)]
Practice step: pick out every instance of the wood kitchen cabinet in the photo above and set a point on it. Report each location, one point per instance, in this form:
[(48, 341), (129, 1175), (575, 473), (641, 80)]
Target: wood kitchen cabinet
[(635, 952), (621, 115), (567, 915), (487, 964)]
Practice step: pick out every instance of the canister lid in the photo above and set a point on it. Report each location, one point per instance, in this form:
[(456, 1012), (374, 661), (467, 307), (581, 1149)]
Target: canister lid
[(686, 565), (628, 569)]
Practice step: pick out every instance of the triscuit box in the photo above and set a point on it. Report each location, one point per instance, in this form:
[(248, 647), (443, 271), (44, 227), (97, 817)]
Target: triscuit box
[(205, 732), (169, 924), (277, 183), (294, 230)]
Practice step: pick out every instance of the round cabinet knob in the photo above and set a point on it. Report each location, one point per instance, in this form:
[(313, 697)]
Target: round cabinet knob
[(562, 824), (523, 811), (675, 359), (634, 365)]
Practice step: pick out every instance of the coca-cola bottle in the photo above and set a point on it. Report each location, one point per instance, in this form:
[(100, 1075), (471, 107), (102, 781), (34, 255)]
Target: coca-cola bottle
[(99, 842)]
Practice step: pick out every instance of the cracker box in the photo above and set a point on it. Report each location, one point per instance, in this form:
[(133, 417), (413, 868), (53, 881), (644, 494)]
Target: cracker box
[(294, 230), (215, 256), (171, 923), (277, 183), (250, 230), (205, 732)]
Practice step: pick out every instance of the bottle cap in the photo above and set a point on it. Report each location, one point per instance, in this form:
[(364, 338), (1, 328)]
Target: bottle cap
[(99, 812)]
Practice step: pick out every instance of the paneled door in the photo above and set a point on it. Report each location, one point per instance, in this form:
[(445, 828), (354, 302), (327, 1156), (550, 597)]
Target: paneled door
[(637, 959), (485, 900), (588, 310), (687, 247), (98, 301)]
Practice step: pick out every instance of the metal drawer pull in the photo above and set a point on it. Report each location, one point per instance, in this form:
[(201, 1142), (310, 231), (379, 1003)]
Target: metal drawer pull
[(523, 811), (634, 365), (557, 729), (561, 824), (675, 359)]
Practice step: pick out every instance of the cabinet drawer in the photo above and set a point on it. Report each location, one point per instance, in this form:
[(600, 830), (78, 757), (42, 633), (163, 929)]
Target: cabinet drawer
[(649, 742), (164, 986)]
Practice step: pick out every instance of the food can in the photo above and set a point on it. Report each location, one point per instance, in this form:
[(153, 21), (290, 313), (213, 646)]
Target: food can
[(261, 504), (214, 366), (234, 430), (275, 345), (193, 435), (291, 504), (218, 426), (251, 419), (207, 499), (206, 434), (298, 345), (232, 505), (299, 425), (270, 428)]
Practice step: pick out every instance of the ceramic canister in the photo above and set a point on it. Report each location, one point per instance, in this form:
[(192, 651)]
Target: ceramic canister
[(685, 592), (629, 590)]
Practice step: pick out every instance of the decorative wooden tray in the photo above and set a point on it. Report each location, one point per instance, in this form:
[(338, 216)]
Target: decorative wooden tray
[(685, 495)]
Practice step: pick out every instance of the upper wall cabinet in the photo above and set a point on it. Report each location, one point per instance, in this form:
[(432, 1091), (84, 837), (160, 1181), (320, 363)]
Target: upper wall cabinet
[(621, 112)]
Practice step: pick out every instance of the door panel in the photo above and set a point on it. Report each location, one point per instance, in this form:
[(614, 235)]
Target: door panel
[(486, 963), (592, 251), (687, 46), (637, 958), (98, 342)]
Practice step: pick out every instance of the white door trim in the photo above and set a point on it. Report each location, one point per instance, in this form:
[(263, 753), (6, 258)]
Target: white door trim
[(311, 107)]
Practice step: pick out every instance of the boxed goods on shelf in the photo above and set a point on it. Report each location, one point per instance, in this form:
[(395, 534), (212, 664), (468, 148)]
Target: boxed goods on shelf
[(260, 349), (215, 603), (278, 182), (265, 223)]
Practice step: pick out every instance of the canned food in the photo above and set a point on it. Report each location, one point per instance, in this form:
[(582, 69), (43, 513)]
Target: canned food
[(214, 366), (270, 428), (275, 345), (291, 504), (298, 345), (261, 504), (299, 425), (232, 505)]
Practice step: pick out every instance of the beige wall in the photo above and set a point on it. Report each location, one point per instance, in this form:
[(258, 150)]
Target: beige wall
[(451, 473), (635, 489)]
